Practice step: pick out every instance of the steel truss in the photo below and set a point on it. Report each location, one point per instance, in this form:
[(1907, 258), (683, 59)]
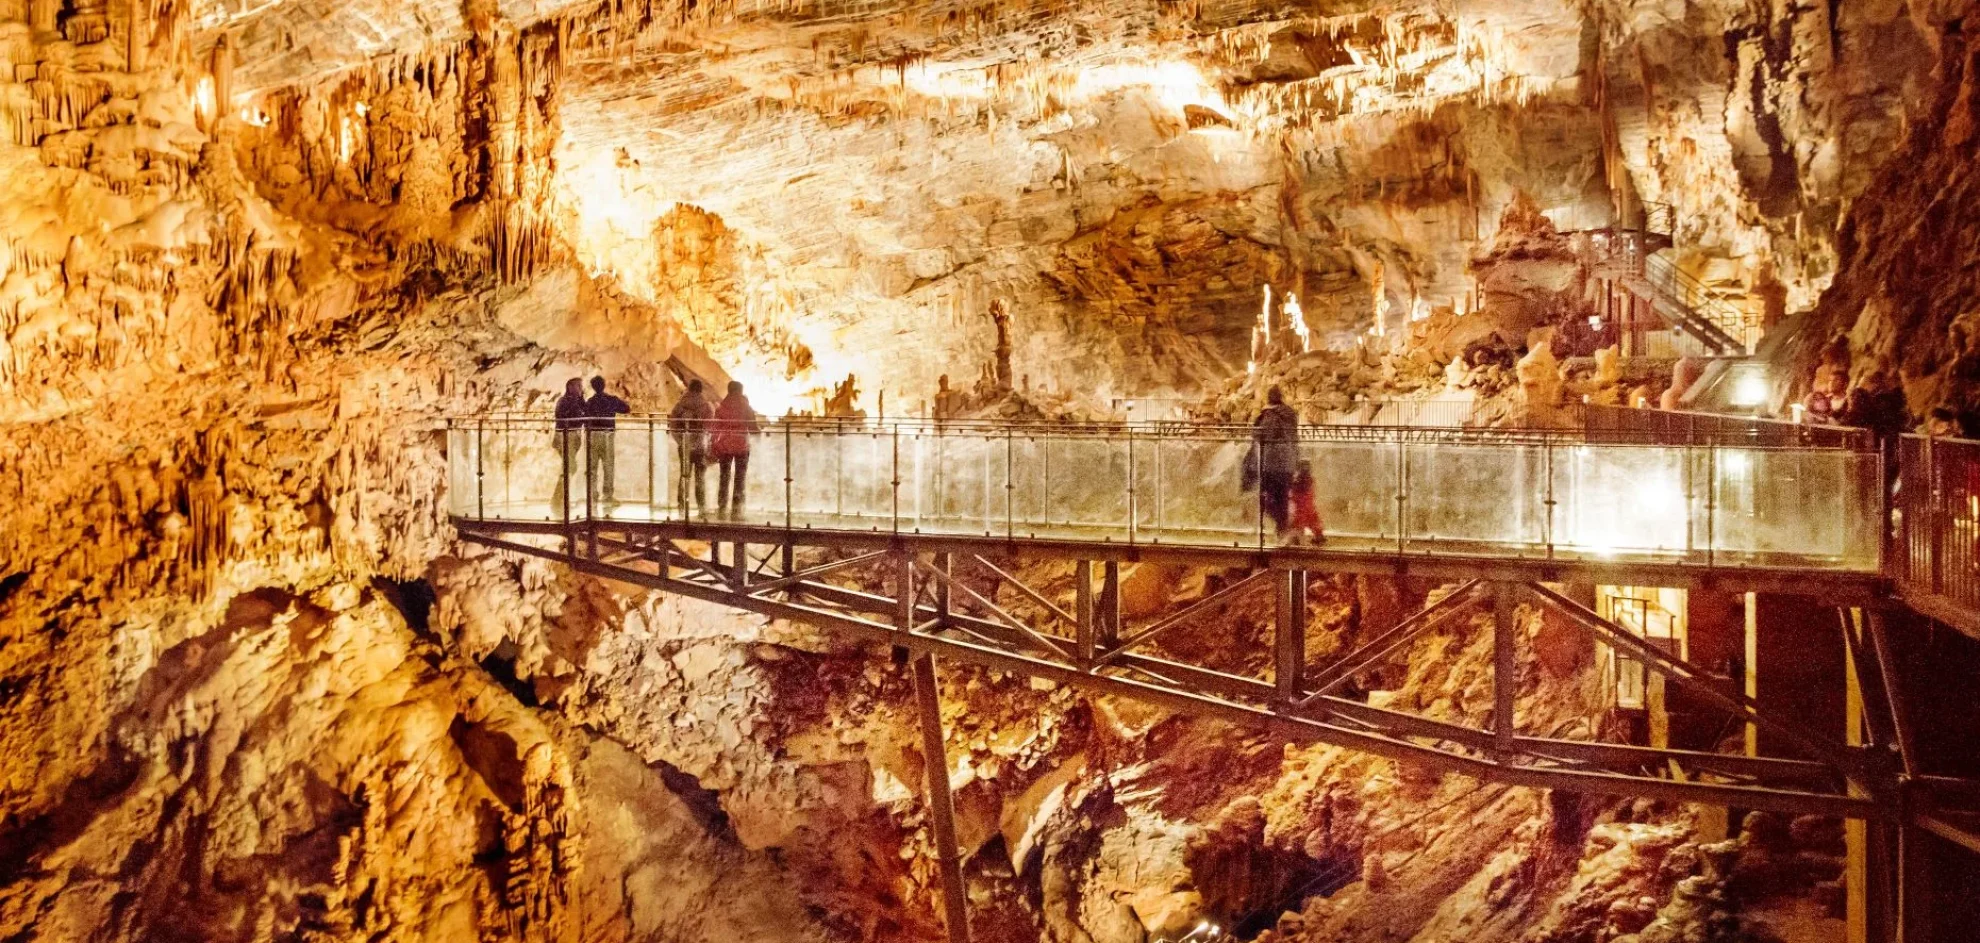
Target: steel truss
[(931, 610)]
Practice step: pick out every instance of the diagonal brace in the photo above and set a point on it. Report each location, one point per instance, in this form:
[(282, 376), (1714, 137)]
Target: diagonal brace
[(1687, 678), (1384, 645), (1228, 594)]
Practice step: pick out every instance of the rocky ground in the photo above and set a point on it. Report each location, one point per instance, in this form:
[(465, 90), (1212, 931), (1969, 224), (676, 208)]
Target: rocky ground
[(252, 688)]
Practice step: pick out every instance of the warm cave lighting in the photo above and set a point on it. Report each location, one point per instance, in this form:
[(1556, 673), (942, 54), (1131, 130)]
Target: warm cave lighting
[(203, 103), (1595, 321), (1297, 319), (1749, 391)]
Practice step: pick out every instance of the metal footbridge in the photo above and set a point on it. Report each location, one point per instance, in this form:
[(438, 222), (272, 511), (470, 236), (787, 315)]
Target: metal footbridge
[(934, 512)]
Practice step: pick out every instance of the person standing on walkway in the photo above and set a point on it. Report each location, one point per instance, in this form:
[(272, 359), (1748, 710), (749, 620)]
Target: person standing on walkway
[(735, 422), (689, 424), (1275, 443), (570, 428), (601, 421)]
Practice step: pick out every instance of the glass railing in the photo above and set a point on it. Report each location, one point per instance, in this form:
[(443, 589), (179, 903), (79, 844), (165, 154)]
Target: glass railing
[(1431, 492)]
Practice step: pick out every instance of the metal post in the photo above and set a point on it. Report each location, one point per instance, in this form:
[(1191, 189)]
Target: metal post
[(1752, 671), (1915, 899), (652, 469), (739, 565), (1711, 503), (1856, 850), (787, 475), (1934, 511), (945, 563), (1010, 488), (1402, 493), (941, 806), (1087, 638), (1505, 669), (1133, 505), (480, 490), (1547, 447), (904, 592), (897, 479), (1289, 668), (1108, 619)]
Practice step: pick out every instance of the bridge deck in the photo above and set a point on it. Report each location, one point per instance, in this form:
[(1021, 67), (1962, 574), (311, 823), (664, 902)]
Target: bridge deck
[(1523, 506)]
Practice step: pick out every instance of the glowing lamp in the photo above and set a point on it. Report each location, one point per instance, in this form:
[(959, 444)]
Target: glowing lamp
[(1750, 390)]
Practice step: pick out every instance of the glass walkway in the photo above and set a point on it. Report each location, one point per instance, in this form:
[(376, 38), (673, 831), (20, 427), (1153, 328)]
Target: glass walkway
[(1714, 502)]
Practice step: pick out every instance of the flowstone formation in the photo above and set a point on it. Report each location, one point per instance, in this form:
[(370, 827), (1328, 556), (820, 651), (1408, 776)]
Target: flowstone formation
[(252, 686)]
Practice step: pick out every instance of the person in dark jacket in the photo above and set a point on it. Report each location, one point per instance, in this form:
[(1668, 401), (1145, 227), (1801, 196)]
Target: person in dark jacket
[(569, 435), (735, 422), (601, 420), (689, 424), (1275, 447)]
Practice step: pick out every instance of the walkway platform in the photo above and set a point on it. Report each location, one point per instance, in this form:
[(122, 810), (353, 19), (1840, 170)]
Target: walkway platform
[(1768, 515)]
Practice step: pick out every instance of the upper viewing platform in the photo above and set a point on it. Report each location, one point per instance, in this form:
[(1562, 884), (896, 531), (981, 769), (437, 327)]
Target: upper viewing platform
[(1675, 501)]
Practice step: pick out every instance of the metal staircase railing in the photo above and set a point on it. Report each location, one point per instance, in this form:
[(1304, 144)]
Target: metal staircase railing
[(1711, 313), (1687, 303)]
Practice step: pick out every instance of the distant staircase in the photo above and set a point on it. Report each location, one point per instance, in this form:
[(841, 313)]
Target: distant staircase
[(1628, 261)]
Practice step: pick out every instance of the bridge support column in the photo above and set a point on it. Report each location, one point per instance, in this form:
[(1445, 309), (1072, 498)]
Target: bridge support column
[(941, 805), (1108, 619), (1087, 638), (944, 564), (1289, 636), (1505, 667)]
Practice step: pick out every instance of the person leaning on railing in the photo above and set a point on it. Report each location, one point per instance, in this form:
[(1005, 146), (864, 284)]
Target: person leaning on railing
[(734, 423), (602, 412), (688, 424), (571, 416)]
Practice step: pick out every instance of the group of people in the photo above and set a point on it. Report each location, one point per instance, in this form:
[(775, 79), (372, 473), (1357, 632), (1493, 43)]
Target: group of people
[(702, 432), (1283, 479)]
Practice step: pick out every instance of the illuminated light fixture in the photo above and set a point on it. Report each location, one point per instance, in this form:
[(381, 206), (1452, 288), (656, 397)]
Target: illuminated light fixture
[(1737, 462), (1750, 390), (1202, 118), (1595, 321)]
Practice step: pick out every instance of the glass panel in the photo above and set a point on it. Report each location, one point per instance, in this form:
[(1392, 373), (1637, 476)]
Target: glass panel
[(460, 471), (1187, 490), (1623, 499), (1742, 504), (1355, 487), (760, 476), (1477, 498)]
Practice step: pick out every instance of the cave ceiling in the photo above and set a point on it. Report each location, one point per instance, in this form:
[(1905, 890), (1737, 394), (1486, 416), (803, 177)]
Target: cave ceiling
[(1130, 175)]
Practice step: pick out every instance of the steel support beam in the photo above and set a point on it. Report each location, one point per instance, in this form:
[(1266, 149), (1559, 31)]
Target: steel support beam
[(941, 805), (1505, 671), (1655, 659), (1586, 767), (1386, 644), (1289, 663), (1087, 634)]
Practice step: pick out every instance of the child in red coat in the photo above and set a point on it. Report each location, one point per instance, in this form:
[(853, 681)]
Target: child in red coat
[(1305, 523)]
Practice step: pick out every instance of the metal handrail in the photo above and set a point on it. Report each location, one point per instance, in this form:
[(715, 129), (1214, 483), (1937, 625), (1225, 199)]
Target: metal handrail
[(1685, 289), (1609, 424), (1411, 492)]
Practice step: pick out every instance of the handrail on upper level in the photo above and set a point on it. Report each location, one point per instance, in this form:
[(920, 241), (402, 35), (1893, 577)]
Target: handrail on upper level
[(1716, 503)]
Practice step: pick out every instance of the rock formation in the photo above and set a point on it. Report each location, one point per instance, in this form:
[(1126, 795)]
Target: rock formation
[(252, 686)]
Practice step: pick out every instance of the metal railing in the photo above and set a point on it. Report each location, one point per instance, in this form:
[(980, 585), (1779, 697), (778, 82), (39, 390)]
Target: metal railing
[(1624, 423), (1506, 494), (1686, 291), (1434, 411), (1937, 540)]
